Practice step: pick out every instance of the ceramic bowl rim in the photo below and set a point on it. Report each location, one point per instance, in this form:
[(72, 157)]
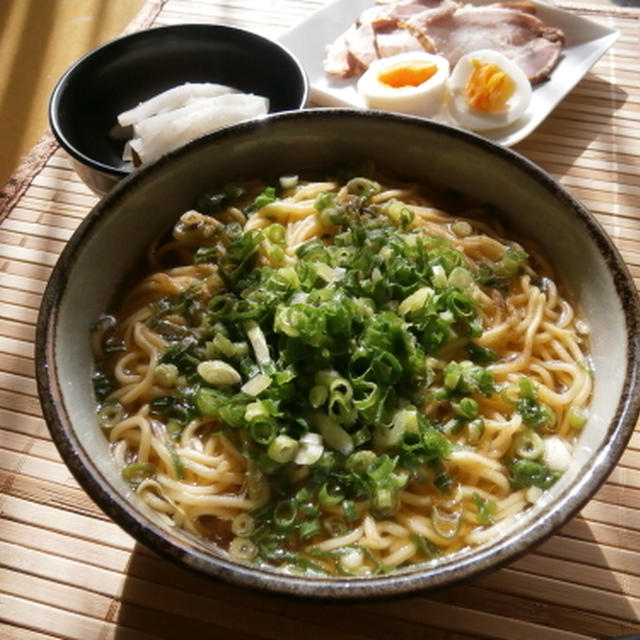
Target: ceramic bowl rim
[(481, 560)]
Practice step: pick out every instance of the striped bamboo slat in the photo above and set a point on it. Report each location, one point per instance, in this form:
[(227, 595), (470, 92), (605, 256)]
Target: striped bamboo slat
[(67, 571)]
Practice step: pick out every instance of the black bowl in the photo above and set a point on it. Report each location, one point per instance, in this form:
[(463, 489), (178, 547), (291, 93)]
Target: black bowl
[(118, 75)]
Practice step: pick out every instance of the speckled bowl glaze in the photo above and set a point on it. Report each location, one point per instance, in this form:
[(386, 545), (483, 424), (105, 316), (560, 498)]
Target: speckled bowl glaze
[(118, 75), (105, 248)]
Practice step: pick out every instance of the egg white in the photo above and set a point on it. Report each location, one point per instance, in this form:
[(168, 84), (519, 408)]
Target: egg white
[(475, 119), (425, 99)]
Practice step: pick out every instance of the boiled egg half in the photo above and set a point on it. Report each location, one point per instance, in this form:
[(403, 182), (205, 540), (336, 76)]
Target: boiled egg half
[(487, 91), (413, 83)]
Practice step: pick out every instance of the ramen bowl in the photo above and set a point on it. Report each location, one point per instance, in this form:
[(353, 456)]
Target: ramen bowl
[(109, 243), (117, 76)]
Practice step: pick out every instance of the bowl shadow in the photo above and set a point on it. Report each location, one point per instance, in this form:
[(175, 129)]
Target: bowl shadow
[(558, 127), (166, 601)]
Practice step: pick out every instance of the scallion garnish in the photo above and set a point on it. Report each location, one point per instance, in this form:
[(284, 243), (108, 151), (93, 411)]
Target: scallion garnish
[(345, 370)]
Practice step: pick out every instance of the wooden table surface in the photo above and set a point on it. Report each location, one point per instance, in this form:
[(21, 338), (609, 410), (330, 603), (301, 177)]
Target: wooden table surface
[(38, 41), (66, 571)]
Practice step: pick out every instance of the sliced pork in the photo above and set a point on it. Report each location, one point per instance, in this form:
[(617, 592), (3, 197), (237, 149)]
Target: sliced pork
[(444, 27), (378, 33), (394, 41), (338, 60), (519, 35), (361, 43)]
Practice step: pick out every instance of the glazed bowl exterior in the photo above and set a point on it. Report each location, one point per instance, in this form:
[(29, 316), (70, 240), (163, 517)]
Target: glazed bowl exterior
[(106, 247), (118, 75)]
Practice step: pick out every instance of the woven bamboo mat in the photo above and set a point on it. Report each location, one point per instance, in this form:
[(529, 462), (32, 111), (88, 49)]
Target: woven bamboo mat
[(68, 572)]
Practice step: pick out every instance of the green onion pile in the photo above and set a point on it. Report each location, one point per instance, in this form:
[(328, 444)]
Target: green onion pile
[(321, 370)]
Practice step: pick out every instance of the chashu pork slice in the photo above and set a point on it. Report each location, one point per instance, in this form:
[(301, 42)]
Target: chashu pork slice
[(338, 60), (379, 32), (352, 52), (394, 41), (392, 36), (518, 34)]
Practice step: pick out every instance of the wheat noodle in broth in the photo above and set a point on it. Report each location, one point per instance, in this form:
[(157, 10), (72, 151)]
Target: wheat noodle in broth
[(341, 376)]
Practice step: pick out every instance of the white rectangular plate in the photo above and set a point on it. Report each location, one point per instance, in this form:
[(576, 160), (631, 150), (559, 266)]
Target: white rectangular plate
[(586, 41)]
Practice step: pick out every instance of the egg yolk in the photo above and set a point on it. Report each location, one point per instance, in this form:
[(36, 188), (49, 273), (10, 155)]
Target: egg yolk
[(488, 87), (407, 75)]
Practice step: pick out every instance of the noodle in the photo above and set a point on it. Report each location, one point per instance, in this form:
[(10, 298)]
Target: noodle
[(341, 377)]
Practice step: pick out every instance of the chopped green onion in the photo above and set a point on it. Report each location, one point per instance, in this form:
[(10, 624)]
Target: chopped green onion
[(578, 417), (481, 355), (381, 468), (466, 408), (333, 434), (360, 461), (136, 472), (341, 409), (438, 276), (241, 548), (258, 342), (243, 525), (363, 187), (283, 448), (404, 420), (324, 200), (330, 494), (460, 278), (529, 473), (446, 518), (266, 197), (176, 460), (318, 395), (257, 411), (325, 271), (220, 345), (335, 525), (461, 228), (256, 385), (350, 510), (510, 263), (309, 528), (536, 414), (398, 213), (424, 547), (276, 254), (453, 426), (486, 509), (326, 377), (311, 449), (262, 432), (475, 431), (321, 366), (276, 233), (218, 373), (510, 394), (351, 560), (528, 444), (110, 414), (384, 501), (528, 389), (416, 301), (451, 379), (166, 374), (361, 436), (285, 514), (288, 181)]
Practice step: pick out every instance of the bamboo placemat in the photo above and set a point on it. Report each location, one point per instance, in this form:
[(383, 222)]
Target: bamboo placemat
[(66, 571)]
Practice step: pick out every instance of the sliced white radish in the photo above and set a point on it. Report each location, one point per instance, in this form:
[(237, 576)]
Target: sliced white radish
[(172, 99)]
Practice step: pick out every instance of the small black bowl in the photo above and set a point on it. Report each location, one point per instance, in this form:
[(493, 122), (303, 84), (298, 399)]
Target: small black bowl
[(118, 75)]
